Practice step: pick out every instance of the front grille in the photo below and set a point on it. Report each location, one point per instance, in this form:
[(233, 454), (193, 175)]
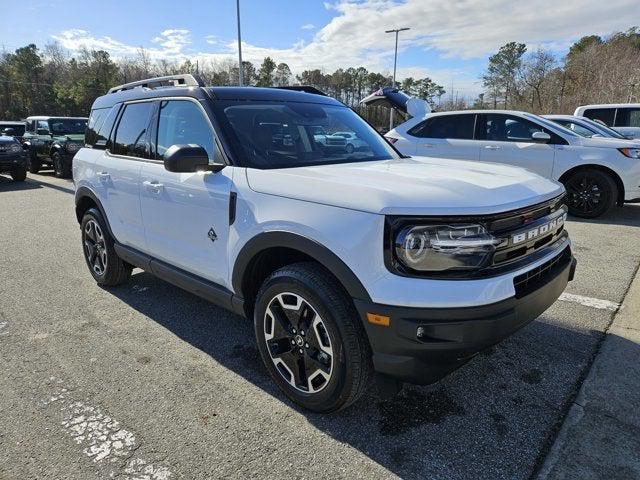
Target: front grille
[(535, 278)]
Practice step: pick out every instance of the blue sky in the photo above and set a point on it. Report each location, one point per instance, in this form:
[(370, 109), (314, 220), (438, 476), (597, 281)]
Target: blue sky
[(448, 41)]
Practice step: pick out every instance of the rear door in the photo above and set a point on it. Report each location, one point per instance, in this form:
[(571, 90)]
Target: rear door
[(117, 172), (508, 139), (186, 215), (446, 136)]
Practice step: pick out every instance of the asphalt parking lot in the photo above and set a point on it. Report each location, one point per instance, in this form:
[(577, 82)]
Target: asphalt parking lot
[(146, 381)]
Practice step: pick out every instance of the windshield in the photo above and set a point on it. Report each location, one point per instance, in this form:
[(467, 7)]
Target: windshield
[(66, 126), (18, 128), (553, 126), (609, 132), (271, 134)]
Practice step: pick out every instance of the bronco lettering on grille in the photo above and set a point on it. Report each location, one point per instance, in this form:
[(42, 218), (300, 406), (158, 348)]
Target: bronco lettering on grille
[(539, 230)]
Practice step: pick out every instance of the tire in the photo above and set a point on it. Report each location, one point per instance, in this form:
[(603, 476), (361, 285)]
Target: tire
[(60, 168), (97, 244), (34, 164), (350, 148), (590, 193), (19, 174), (335, 350)]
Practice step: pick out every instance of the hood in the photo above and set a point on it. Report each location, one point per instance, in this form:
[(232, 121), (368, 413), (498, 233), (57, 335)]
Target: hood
[(605, 142), (394, 98), (410, 186), (6, 140)]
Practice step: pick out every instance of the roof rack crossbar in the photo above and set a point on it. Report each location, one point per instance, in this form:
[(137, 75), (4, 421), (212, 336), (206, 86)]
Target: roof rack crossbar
[(303, 88), (186, 80)]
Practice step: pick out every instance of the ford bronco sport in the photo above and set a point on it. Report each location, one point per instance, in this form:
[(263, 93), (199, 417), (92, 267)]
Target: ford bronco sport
[(54, 141), (353, 266)]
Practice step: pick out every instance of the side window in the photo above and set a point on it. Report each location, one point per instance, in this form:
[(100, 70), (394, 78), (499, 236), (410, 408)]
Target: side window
[(579, 129), (505, 128), (628, 117), (183, 122), (446, 126), (43, 125), (95, 122), (605, 115), (132, 137)]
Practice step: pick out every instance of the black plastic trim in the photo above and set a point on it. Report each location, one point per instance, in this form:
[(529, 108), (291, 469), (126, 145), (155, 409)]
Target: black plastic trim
[(233, 199), (320, 253), (85, 192)]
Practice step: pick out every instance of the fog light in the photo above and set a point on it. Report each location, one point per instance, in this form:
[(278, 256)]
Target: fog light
[(421, 332)]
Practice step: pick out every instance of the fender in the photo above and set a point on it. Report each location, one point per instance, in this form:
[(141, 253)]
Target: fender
[(319, 252), (86, 192)]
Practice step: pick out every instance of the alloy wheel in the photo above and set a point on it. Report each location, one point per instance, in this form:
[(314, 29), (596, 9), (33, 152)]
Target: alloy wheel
[(94, 247), (586, 194), (298, 342)]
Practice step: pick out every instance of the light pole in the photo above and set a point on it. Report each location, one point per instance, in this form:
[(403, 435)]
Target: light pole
[(395, 61), (239, 46)]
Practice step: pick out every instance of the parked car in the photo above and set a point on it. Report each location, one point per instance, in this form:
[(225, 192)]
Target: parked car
[(54, 141), (327, 140), (623, 117), (12, 128), (598, 173), (585, 127), (353, 142), (13, 159), (353, 267)]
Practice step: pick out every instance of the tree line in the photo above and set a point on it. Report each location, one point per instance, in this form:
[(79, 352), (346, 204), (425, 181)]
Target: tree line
[(595, 70), (52, 81)]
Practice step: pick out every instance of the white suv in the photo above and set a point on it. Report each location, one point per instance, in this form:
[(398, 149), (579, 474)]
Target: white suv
[(354, 266), (597, 172)]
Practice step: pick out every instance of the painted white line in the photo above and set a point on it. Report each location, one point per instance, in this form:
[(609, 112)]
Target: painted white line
[(103, 438), (590, 302)]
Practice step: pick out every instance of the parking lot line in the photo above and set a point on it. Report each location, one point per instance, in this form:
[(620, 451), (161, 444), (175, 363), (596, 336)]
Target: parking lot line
[(590, 301)]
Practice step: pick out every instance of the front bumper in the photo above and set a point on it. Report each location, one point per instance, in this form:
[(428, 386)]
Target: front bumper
[(9, 162), (422, 345)]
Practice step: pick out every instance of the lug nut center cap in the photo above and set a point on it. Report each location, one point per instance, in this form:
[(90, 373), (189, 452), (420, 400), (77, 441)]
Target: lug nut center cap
[(299, 340)]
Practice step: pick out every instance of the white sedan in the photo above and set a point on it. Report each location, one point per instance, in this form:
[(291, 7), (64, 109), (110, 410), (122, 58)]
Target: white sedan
[(598, 173)]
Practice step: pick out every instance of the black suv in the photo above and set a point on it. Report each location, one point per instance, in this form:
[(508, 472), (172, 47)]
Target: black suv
[(54, 141), (13, 159)]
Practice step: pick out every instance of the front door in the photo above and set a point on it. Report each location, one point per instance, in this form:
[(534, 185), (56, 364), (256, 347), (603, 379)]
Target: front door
[(446, 136), (508, 139), (186, 215)]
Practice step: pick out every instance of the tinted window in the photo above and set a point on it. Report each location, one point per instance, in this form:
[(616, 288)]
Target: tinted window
[(42, 124), (96, 118), (183, 122), (18, 128), (66, 126), (603, 114), (275, 134), (446, 126), (628, 117), (505, 128), (132, 136)]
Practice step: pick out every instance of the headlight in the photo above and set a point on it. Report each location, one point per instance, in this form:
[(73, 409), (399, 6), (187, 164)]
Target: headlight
[(630, 152), (15, 148), (73, 147), (437, 248)]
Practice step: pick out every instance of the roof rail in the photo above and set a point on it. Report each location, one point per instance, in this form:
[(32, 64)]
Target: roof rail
[(185, 79), (304, 88)]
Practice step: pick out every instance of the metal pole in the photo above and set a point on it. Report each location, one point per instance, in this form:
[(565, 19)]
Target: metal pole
[(239, 46), (395, 63)]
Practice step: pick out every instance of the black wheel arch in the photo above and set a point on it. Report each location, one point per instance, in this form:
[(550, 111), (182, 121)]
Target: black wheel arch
[(268, 251), (614, 176), (86, 199)]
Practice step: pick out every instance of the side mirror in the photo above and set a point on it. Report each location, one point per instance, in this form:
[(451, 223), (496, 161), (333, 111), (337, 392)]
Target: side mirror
[(42, 131), (541, 137), (188, 159)]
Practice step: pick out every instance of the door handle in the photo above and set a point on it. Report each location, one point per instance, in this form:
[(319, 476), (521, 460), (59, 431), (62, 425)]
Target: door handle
[(103, 175), (492, 147), (428, 145), (154, 186)]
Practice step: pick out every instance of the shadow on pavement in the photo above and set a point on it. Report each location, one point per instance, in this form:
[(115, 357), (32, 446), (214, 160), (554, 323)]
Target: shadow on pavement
[(492, 418), (628, 215)]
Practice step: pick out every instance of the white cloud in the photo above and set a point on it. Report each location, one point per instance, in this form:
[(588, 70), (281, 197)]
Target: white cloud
[(467, 29), (308, 26)]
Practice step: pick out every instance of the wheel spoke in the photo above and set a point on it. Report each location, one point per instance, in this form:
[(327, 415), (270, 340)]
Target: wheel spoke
[(279, 346)]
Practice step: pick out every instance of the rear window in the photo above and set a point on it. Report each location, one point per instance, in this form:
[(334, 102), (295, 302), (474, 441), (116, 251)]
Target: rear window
[(446, 126), (628, 117), (132, 135), (605, 115)]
